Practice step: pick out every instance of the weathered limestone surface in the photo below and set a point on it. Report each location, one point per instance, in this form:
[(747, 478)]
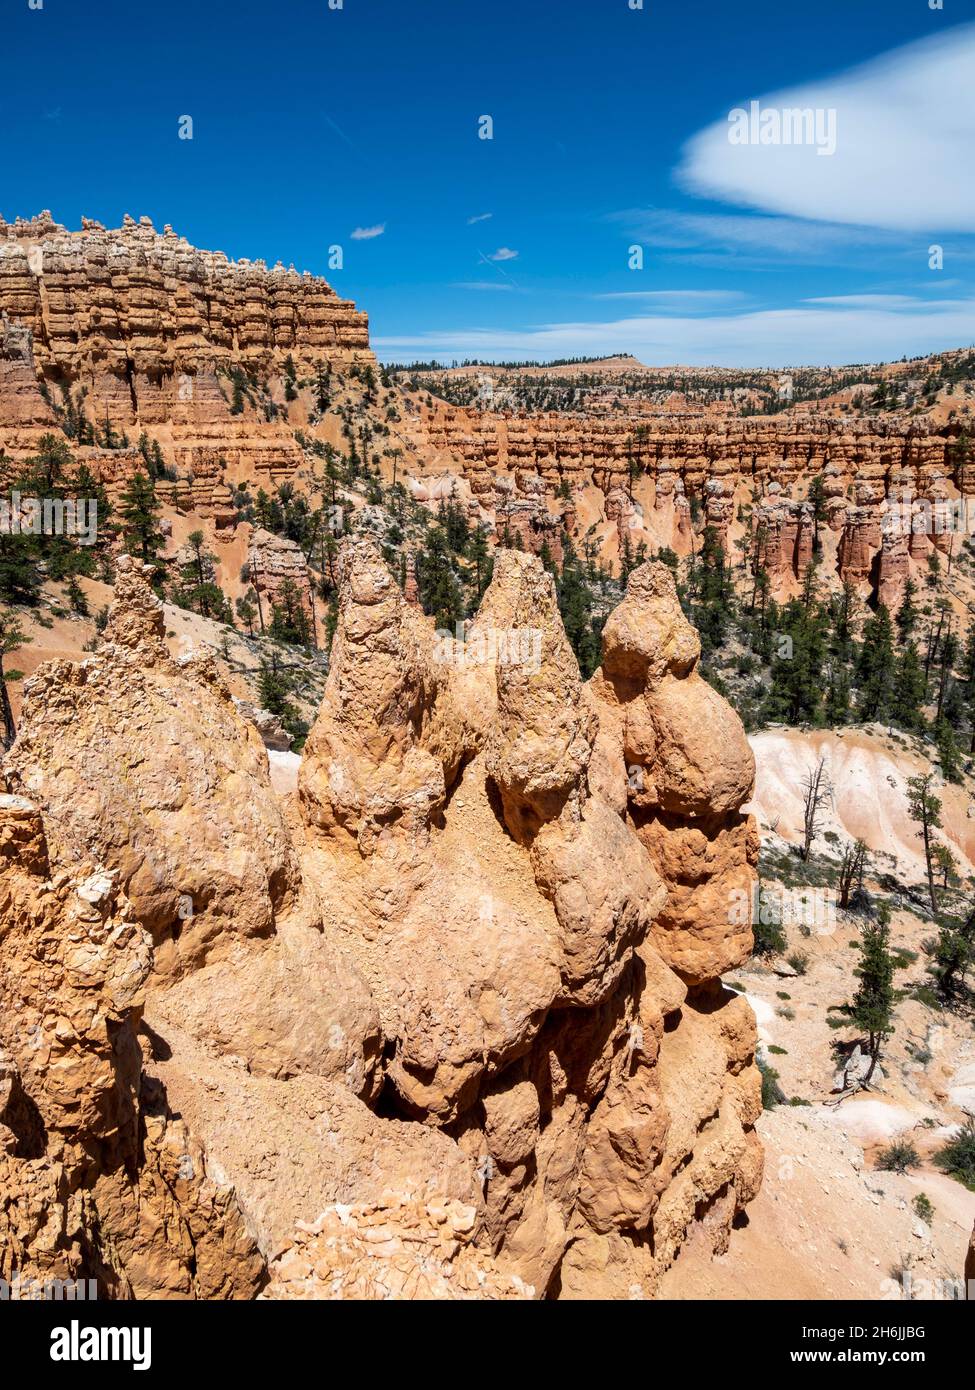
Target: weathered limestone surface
[(499, 906)]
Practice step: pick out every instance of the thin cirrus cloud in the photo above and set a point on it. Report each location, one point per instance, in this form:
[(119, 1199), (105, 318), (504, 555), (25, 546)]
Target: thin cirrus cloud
[(480, 217), (683, 299), (778, 238), (367, 233), (483, 285), (804, 334), (503, 253), (905, 129)]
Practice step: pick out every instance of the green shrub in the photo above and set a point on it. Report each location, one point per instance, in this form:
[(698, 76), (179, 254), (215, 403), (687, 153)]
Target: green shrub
[(958, 1156), (799, 962), (772, 1092), (924, 1208), (898, 1157)]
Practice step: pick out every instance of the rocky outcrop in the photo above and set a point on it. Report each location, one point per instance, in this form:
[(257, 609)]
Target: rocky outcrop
[(99, 1180), (515, 927), (144, 763), (132, 303), (403, 1250), (504, 912), (141, 329), (276, 566)]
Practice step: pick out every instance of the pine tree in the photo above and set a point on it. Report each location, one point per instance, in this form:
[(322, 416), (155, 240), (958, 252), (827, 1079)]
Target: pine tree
[(139, 511), (480, 558), (290, 375), (289, 618), (925, 810), (872, 1007), (76, 597), (907, 614), (20, 575), (12, 638), (713, 609), (907, 696), (875, 668), (52, 461), (948, 755), (795, 690), (852, 870), (575, 606), (246, 612), (436, 582), (273, 688), (953, 955)]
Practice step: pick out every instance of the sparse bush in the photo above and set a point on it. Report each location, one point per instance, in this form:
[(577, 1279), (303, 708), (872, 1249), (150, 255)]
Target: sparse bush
[(958, 1156), (924, 994), (924, 1208), (799, 962), (772, 1092), (898, 1157)]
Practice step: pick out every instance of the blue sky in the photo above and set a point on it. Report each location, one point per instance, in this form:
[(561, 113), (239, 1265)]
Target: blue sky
[(610, 130)]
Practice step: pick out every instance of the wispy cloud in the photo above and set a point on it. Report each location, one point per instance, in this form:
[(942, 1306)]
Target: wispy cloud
[(800, 334), (782, 238), (503, 253), (334, 125), (480, 217), (905, 129), (685, 299), (483, 285), (367, 233), (867, 301)]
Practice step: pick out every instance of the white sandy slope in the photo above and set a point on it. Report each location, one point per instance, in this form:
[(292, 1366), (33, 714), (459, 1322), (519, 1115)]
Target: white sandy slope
[(868, 770)]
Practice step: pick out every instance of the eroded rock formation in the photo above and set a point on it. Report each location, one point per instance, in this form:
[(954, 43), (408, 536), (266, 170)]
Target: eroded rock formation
[(500, 905), (98, 1180)]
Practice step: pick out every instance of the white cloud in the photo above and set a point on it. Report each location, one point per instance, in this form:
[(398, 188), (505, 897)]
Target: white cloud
[(481, 217), (687, 299), (740, 234), (800, 335), (905, 130), (867, 301), (483, 285), (503, 253), (367, 233)]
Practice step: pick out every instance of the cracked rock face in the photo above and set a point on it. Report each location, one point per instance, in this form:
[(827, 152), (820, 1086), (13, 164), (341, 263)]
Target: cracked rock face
[(499, 906), (99, 1180)]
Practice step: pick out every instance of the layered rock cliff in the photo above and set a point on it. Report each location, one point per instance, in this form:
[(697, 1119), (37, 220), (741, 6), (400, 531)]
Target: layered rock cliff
[(221, 364), (888, 483), (139, 328), (500, 905)]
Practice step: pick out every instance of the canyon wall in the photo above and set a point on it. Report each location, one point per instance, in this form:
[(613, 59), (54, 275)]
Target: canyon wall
[(143, 330), (888, 483)]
